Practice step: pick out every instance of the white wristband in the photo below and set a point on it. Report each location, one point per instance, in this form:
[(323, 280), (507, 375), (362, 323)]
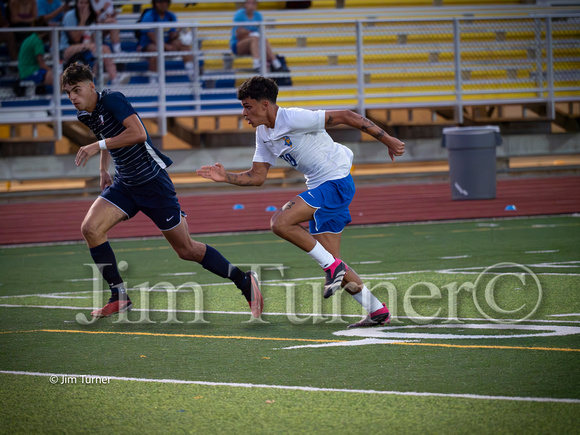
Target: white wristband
[(102, 144)]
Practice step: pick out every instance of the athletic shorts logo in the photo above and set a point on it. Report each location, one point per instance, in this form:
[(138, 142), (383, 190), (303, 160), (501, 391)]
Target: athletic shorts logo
[(287, 141)]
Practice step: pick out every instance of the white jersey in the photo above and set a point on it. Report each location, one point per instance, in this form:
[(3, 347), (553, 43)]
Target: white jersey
[(300, 139)]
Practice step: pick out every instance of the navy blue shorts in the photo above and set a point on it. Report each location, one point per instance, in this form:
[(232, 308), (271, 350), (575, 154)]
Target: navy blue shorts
[(156, 198), (331, 200), (38, 76)]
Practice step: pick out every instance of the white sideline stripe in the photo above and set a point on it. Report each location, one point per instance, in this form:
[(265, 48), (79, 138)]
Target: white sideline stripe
[(178, 274), (302, 388), (245, 313), (549, 251)]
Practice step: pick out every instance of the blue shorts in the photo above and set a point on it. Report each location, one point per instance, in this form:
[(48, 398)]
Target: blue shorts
[(156, 198), (37, 77), (331, 200)]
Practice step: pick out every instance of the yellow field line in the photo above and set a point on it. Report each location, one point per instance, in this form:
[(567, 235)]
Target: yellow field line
[(239, 337), (155, 334), (17, 332)]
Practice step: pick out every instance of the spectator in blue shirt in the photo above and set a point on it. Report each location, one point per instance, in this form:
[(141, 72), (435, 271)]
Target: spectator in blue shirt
[(147, 42), (52, 11), (246, 39)]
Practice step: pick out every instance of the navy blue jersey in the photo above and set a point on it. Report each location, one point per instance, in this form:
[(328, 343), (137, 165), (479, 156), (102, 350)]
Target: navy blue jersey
[(135, 164)]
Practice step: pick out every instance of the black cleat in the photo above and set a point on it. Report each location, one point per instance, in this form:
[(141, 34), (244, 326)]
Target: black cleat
[(334, 275), (253, 295)]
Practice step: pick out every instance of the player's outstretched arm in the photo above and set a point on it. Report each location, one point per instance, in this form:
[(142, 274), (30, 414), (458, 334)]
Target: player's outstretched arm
[(348, 117), (216, 172), (253, 177)]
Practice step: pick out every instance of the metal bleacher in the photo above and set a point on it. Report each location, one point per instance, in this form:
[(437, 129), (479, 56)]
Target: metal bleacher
[(383, 58), (431, 63)]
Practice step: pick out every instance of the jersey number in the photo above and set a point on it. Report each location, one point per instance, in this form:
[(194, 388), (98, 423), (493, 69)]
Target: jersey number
[(288, 157)]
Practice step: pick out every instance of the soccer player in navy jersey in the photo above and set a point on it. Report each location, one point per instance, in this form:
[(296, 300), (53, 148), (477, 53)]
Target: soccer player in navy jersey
[(141, 184), (299, 137)]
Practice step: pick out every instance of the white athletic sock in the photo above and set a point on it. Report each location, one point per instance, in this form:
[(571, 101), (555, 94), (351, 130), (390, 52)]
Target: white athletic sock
[(153, 77), (256, 63), (276, 63), (321, 255), (368, 301), (117, 47), (189, 67)]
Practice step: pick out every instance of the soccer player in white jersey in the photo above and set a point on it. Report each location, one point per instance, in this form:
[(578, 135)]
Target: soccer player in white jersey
[(141, 184), (299, 137)]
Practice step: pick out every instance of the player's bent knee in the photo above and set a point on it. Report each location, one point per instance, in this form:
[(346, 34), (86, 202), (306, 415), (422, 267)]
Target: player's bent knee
[(90, 231), (277, 226)]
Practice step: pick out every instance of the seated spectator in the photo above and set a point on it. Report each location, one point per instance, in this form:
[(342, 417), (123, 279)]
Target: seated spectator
[(147, 41), (52, 11), (106, 15), (8, 37), (246, 39), (31, 63), (76, 42), (22, 13)]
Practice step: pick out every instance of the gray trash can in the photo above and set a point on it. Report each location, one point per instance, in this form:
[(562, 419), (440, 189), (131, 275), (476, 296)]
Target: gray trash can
[(472, 163)]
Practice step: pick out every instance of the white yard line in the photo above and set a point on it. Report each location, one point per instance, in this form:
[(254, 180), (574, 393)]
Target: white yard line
[(246, 313), (543, 252), (299, 388)]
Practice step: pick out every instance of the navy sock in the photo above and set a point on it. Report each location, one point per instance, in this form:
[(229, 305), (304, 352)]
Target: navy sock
[(104, 255), (217, 263)]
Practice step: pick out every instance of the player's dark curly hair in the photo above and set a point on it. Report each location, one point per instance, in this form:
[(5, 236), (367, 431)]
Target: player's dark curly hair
[(259, 88), (76, 73)]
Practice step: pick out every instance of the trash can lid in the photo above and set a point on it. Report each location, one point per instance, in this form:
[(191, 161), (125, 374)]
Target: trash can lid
[(471, 130), (470, 137)]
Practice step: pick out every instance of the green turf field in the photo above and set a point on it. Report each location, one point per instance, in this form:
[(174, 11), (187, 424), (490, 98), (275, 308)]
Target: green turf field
[(485, 336)]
